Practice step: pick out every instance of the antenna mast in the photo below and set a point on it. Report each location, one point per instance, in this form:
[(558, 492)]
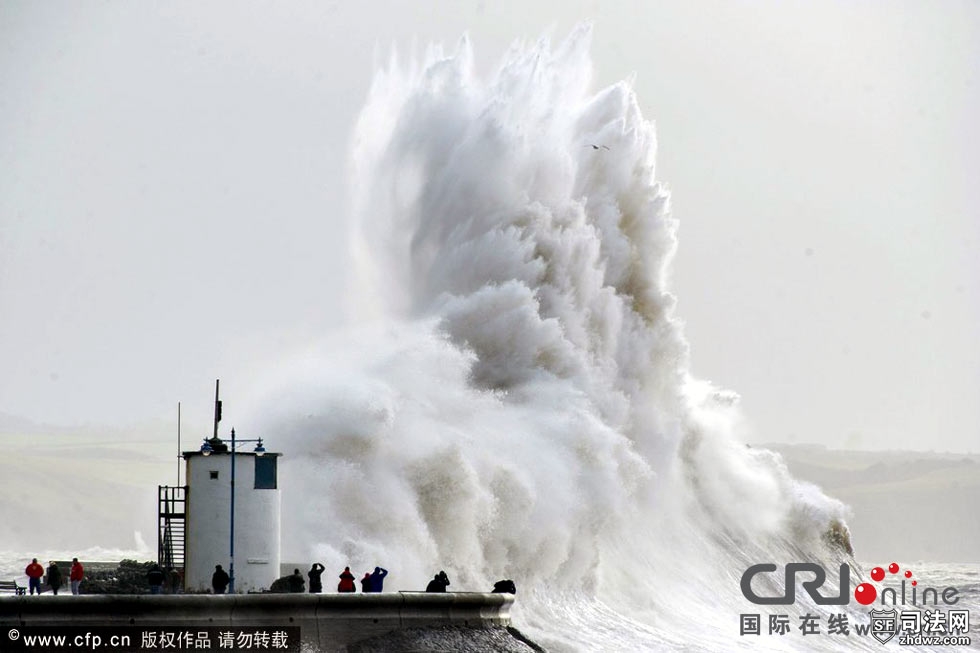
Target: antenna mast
[(178, 444), (217, 407)]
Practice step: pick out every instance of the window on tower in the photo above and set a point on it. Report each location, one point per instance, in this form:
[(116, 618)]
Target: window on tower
[(265, 472)]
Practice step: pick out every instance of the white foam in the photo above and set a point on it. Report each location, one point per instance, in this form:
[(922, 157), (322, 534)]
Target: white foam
[(513, 399)]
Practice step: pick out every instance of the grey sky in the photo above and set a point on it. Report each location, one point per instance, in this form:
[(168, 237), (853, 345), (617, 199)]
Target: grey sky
[(172, 197)]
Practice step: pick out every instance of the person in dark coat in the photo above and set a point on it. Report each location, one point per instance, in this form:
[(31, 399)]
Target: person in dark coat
[(346, 583), (505, 587), (439, 583), (155, 579), (378, 579), (219, 580), (54, 577), (175, 580), (34, 571), (296, 583), (316, 585), (366, 582)]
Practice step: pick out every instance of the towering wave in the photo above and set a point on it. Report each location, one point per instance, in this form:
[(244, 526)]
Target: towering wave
[(514, 400)]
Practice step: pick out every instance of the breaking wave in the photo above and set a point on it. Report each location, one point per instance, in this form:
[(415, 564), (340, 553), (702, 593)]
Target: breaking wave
[(513, 396)]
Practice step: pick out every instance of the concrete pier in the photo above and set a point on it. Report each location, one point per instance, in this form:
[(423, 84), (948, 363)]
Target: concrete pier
[(326, 622)]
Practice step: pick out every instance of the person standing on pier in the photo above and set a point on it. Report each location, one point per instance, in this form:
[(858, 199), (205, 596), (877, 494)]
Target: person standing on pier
[(34, 572), (175, 580), (75, 575), (296, 583), (54, 577), (155, 579), (346, 583), (316, 585), (219, 580), (378, 579)]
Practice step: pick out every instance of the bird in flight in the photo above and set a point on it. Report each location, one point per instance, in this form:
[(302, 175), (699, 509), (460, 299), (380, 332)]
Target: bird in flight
[(596, 147)]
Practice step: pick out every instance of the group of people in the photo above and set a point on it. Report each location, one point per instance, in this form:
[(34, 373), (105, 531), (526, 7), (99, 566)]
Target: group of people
[(35, 573), (439, 583), (158, 578), (371, 582)]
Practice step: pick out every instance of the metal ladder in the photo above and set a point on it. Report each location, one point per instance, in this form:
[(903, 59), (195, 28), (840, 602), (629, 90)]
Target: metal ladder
[(172, 521)]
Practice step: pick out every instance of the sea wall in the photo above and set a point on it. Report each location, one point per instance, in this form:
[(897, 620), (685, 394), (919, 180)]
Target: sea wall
[(326, 622)]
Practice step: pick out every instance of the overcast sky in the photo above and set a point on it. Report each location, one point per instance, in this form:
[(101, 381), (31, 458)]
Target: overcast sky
[(172, 197)]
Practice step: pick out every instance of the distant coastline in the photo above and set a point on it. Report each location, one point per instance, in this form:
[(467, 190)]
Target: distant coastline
[(908, 505)]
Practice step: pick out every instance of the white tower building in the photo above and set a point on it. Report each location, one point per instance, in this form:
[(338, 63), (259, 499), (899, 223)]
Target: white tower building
[(252, 555)]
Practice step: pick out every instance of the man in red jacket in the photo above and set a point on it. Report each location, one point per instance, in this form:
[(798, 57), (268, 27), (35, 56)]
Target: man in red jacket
[(76, 575), (34, 572)]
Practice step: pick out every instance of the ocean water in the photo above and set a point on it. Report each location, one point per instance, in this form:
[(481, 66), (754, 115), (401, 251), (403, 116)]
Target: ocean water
[(512, 398)]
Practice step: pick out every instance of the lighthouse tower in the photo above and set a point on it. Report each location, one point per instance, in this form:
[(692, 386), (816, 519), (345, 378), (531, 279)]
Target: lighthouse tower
[(232, 515)]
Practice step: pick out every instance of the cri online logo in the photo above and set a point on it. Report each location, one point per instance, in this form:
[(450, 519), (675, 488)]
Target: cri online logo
[(865, 593)]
